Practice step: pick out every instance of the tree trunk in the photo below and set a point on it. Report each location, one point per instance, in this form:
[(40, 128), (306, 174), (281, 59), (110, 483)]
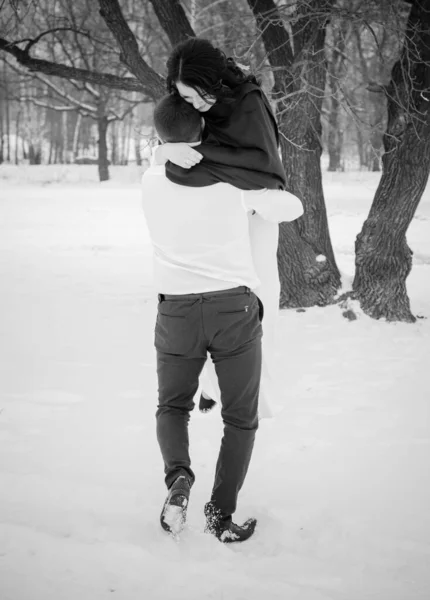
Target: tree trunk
[(137, 150), (335, 135), (377, 132), (307, 266), (7, 111), (383, 258), (173, 20), (1, 125), (114, 144), (75, 147), (102, 125), (17, 135), (51, 146), (336, 71), (65, 137), (127, 133), (360, 146), (313, 278)]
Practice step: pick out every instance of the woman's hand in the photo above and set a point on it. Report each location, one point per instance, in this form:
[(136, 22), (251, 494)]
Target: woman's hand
[(181, 154)]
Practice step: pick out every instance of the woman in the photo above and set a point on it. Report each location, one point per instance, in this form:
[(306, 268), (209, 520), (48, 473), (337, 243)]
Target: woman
[(240, 129), (241, 136)]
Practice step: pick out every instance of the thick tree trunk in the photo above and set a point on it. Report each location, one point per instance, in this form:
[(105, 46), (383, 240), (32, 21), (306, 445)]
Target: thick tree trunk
[(173, 20), (307, 266), (383, 258), (313, 278)]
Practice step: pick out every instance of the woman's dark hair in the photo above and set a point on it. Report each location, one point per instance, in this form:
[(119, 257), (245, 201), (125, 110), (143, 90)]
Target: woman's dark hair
[(206, 69)]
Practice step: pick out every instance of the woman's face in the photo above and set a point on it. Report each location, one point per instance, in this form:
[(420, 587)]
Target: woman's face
[(189, 94)]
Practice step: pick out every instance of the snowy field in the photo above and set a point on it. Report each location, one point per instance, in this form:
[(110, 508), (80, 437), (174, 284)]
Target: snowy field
[(340, 478)]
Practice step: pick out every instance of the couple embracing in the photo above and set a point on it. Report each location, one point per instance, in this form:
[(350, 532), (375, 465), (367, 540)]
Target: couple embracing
[(213, 199)]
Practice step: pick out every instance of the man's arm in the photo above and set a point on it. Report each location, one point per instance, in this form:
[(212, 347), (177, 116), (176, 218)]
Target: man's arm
[(207, 173), (273, 205)]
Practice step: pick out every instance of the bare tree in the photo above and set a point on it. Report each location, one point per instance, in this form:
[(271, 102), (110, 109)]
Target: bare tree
[(295, 46), (383, 258)]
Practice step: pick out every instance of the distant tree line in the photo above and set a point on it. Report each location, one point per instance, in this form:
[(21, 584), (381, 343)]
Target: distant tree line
[(349, 76)]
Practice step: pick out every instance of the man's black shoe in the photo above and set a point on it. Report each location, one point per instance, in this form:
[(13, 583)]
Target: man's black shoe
[(225, 530), (206, 404), (174, 513)]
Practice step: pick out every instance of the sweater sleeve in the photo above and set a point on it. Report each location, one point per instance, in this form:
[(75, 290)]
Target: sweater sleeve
[(252, 136)]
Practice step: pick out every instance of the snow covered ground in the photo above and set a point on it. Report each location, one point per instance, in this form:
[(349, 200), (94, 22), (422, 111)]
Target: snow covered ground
[(339, 480)]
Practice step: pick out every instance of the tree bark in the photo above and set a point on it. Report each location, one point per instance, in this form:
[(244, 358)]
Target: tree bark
[(383, 258), (111, 12), (173, 20), (308, 270)]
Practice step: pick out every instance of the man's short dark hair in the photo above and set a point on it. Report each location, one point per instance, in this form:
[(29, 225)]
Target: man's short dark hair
[(176, 120)]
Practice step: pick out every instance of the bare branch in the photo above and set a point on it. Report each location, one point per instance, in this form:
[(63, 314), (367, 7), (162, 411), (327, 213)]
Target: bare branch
[(111, 13), (33, 41), (47, 67), (275, 37), (63, 94)]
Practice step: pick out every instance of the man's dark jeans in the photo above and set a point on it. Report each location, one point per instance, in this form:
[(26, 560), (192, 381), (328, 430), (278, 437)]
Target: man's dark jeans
[(226, 324)]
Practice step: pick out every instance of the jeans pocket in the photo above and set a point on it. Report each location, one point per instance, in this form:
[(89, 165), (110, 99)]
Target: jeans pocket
[(243, 309), (175, 327)]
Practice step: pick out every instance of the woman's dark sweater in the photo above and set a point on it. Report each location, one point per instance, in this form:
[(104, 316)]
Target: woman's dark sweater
[(240, 146)]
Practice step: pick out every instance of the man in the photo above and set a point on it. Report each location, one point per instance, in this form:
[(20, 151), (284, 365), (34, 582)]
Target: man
[(204, 274)]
